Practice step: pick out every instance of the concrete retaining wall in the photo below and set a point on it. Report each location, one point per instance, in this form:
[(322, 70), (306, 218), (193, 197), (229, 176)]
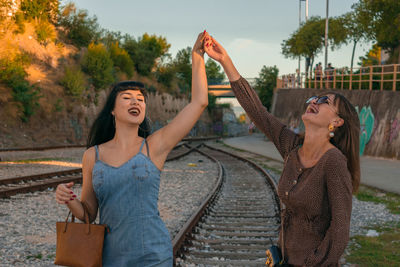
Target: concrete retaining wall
[(379, 113)]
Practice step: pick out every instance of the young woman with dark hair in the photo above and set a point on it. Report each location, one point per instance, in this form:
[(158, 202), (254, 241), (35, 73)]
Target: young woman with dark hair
[(321, 171), (121, 170)]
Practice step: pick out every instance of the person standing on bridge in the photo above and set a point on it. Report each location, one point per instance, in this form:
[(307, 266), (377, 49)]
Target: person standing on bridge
[(322, 169), (121, 170)]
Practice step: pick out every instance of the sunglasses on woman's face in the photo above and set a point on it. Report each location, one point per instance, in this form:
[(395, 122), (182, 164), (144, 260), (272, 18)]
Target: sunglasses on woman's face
[(320, 100)]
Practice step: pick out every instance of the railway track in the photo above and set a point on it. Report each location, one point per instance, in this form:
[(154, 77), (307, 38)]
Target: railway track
[(234, 225), (32, 183), (188, 139), (237, 222)]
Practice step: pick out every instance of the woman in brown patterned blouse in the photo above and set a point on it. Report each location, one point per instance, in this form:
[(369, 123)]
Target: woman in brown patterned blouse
[(321, 171)]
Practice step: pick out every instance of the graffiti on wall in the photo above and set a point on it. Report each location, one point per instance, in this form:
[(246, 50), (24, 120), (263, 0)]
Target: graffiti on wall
[(392, 129), (367, 120)]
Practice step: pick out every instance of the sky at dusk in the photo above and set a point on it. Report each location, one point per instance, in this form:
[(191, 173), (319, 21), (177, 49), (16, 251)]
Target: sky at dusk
[(251, 31)]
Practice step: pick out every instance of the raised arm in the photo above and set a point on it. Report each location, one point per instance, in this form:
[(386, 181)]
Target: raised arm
[(283, 138), (162, 141)]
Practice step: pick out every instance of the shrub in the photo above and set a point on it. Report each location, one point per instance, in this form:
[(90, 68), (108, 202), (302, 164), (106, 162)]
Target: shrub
[(79, 27), (58, 106), (98, 64), (28, 95), (46, 10), (19, 21), (12, 74), (44, 33), (74, 81), (121, 59), (166, 74)]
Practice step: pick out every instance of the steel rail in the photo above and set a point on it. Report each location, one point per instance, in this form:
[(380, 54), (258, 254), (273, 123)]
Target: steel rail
[(187, 139), (49, 181), (269, 179), (188, 227), (184, 235)]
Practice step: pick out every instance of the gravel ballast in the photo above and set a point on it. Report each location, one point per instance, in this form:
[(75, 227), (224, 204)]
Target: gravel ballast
[(27, 221)]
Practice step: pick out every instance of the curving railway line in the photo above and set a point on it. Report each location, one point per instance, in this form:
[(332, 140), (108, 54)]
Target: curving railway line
[(234, 225), (237, 222), (32, 183)]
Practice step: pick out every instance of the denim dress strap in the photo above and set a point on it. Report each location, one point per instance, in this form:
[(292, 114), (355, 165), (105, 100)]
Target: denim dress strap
[(97, 153), (147, 148), (141, 146)]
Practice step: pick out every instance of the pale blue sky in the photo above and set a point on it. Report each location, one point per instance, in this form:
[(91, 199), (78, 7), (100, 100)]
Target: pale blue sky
[(251, 31)]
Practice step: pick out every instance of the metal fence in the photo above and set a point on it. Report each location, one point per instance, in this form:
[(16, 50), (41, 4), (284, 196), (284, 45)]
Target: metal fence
[(378, 77)]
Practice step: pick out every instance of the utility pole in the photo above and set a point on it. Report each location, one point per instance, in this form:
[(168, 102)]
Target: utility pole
[(299, 28), (326, 33), (307, 59), (306, 10)]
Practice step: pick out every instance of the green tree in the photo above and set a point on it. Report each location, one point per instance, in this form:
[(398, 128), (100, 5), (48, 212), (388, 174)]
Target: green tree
[(380, 20), (78, 26), (306, 41), (39, 10), (214, 73), (355, 31), (165, 74), (98, 64), (74, 81), (121, 59), (110, 37), (145, 51), (13, 75), (371, 58), (183, 68), (309, 40), (265, 84)]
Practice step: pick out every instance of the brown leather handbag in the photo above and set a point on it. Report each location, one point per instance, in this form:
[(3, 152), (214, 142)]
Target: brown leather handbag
[(79, 244)]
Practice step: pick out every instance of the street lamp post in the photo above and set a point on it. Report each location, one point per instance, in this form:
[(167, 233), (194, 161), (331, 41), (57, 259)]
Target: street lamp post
[(299, 27), (326, 33), (306, 18)]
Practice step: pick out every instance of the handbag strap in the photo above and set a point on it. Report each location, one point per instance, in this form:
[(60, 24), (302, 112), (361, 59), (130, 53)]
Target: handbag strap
[(85, 215), (283, 240)]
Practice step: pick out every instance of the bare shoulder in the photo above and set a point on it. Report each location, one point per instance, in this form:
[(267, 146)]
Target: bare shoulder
[(88, 158), (154, 140)]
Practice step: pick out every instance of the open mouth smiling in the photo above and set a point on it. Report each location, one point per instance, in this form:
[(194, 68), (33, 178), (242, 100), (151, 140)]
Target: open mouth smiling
[(134, 111), (312, 109)]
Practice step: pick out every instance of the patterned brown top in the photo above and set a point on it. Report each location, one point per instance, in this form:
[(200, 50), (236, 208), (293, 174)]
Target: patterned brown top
[(318, 200)]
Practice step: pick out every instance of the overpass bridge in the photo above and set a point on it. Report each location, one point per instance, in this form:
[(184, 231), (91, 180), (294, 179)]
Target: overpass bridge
[(223, 90)]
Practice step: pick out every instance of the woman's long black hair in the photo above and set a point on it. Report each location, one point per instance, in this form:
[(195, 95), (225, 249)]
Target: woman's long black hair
[(103, 128)]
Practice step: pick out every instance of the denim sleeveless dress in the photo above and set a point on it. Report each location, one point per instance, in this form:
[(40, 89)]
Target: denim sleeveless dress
[(127, 196)]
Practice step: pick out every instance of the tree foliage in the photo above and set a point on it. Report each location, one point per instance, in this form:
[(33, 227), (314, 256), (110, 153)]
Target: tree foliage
[(309, 40), (214, 73), (145, 51), (74, 81), (121, 59), (79, 27), (380, 20), (98, 64), (265, 84), (183, 69), (355, 31), (47, 10), (12, 74)]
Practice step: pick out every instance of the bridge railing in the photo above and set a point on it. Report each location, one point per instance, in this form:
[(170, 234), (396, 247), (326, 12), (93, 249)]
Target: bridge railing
[(378, 77)]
